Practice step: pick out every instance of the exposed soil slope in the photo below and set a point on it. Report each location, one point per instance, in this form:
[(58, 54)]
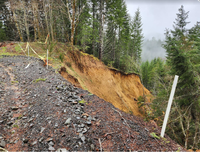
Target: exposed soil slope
[(120, 89), (40, 111)]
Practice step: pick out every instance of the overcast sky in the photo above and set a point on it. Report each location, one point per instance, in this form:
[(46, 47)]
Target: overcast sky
[(157, 15)]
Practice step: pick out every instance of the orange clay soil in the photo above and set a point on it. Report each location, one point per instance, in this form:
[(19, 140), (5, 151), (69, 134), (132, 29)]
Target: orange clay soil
[(118, 88)]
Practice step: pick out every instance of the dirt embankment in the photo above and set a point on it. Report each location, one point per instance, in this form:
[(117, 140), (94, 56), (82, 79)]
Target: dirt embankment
[(120, 89)]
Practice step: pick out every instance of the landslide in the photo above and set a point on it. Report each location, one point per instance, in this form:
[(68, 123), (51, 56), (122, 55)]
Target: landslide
[(41, 111), (87, 72), (116, 87)]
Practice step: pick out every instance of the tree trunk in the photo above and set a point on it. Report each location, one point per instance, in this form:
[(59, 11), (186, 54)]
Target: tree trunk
[(101, 30), (25, 21), (73, 21), (93, 26), (46, 17), (36, 23), (17, 25), (51, 19)]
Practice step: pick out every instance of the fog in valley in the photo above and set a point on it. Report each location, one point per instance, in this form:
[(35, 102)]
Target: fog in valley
[(157, 16), (152, 48)]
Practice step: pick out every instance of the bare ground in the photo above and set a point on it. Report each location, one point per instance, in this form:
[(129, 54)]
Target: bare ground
[(40, 110)]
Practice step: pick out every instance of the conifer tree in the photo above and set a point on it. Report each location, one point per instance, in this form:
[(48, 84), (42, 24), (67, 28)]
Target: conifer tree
[(135, 46), (183, 57)]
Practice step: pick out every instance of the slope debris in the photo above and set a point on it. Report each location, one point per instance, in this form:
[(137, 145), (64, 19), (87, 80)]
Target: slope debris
[(41, 111), (118, 88)]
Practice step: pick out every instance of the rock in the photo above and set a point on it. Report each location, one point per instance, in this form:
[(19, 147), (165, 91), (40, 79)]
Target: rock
[(79, 143), (49, 139), (34, 143), (74, 102), (30, 120), (68, 121), (10, 123), (25, 140), (71, 100), (84, 130), (31, 125), (3, 144), (40, 140), (56, 125), (82, 125), (83, 139), (88, 123), (51, 148), (79, 130), (75, 97), (90, 118), (78, 118), (92, 147), (61, 150), (14, 108), (77, 112), (51, 143), (42, 129), (48, 118)]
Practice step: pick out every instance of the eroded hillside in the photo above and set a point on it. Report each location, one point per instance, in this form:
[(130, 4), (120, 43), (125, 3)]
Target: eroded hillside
[(120, 89), (87, 72)]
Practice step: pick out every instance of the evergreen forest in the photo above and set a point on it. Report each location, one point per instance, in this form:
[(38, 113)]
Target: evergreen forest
[(104, 29)]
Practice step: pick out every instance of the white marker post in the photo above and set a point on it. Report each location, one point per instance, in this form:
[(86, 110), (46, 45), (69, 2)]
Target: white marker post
[(169, 106), (47, 58), (28, 51)]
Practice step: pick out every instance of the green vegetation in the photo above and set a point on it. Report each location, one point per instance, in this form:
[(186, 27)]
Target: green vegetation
[(183, 58), (13, 82), (39, 79), (118, 46), (153, 134), (17, 48), (61, 57), (15, 126), (19, 117), (3, 49), (82, 101)]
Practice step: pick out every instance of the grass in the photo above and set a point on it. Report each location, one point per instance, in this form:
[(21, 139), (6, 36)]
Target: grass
[(3, 49), (39, 79), (17, 48), (56, 49)]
